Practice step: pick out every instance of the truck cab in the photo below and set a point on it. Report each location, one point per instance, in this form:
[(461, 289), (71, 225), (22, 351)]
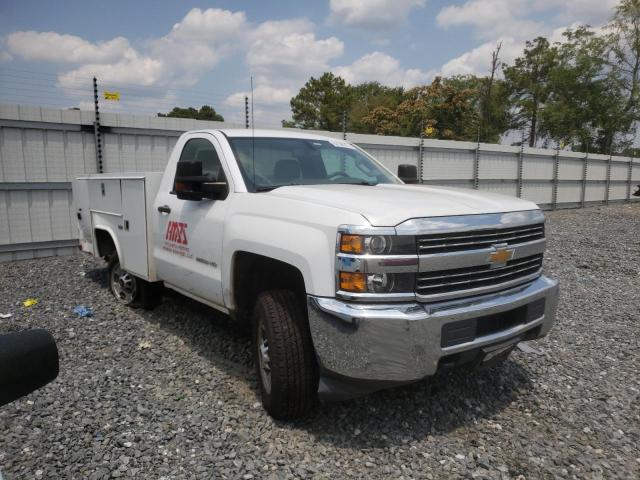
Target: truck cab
[(350, 279)]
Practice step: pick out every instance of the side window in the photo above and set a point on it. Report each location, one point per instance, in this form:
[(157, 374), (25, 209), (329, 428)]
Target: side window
[(202, 150)]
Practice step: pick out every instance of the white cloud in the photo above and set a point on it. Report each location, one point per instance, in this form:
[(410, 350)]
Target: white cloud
[(55, 47), (491, 18), (263, 95), (378, 66), (592, 12), (133, 69), (478, 60), (372, 14), (282, 55), (289, 49)]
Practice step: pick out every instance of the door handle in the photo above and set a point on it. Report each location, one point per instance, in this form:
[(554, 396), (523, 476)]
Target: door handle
[(164, 209)]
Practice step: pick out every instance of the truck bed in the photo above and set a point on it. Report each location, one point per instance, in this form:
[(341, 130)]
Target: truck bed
[(122, 205)]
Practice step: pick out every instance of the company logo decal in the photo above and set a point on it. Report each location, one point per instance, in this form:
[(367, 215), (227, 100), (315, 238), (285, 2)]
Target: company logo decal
[(176, 239), (177, 232)]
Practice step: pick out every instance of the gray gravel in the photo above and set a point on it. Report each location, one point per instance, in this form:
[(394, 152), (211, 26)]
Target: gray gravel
[(171, 393)]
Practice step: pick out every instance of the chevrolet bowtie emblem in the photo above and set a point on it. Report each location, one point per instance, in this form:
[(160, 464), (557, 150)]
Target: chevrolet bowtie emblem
[(500, 257)]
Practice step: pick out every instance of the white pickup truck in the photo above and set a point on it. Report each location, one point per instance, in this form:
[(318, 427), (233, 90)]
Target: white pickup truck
[(351, 280)]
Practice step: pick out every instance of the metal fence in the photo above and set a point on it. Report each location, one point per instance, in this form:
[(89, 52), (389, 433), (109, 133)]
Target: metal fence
[(42, 150)]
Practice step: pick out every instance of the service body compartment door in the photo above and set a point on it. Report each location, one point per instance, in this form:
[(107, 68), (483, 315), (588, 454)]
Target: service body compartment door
[(105, 196), (132, 231)]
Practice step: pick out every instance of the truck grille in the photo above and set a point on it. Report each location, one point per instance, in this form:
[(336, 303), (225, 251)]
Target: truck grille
[(443, 282), (473, 240)]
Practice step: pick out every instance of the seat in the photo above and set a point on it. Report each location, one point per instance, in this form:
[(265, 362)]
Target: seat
[(286, 171)]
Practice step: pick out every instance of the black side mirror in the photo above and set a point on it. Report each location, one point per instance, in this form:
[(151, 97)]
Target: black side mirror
[(408, 173), (28, 361), (190, 184)]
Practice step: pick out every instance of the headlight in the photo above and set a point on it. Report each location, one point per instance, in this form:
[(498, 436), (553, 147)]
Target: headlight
[(377, 244)]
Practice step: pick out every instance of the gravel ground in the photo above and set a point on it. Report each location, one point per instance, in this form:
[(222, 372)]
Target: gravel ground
[(171, 393)]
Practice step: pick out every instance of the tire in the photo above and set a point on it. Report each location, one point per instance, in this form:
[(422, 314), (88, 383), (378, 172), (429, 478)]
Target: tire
[(131, 290), (284, 358)]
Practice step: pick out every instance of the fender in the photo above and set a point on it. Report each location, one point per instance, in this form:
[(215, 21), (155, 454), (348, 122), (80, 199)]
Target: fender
[(308, 249)]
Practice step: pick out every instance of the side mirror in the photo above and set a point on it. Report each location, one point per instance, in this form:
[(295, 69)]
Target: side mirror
[(190, 184), (28, 361), (408, 173)]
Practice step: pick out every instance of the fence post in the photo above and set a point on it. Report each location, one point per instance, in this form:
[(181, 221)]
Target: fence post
[(607, 191), (584, 180), (96, 127), (476, 167), (554, 192), (421, 154), (520, 168), (629, 175), (344, 124)]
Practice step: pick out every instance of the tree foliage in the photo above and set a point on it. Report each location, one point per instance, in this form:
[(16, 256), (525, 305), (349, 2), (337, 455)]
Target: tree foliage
[(206, 112)]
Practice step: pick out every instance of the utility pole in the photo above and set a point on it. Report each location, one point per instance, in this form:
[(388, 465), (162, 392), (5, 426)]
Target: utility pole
[(246, 111), (96, 127)]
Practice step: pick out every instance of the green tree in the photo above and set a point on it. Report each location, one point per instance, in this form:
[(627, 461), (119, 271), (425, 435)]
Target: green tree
[(320, 103), (624, 28), (443, 109), (206, 112), (527, 82), (366, 97), (581, 98)]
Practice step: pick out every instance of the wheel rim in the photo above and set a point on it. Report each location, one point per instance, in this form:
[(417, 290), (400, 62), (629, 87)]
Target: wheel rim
[(123, 285), (264, 362)]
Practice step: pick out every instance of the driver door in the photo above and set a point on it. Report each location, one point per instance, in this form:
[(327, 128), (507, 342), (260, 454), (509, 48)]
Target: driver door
[(188, 243)]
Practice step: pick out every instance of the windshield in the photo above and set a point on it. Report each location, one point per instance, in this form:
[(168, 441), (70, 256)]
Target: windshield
[(294, 161)]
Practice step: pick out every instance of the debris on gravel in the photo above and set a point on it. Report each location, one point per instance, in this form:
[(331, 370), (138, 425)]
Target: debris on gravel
[(171, 393)]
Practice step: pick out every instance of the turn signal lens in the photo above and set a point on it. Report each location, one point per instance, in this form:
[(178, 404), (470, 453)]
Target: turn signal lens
[(353, 282), (351, 243)]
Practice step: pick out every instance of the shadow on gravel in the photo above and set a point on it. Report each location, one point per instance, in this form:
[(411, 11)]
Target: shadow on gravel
[(99, 276), (435, 406)]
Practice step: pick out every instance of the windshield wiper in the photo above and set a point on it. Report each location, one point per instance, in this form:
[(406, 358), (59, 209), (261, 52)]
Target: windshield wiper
[(268, 188), (369, 184)]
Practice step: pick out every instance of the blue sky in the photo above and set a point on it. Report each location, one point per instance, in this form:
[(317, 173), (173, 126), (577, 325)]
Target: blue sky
[(163, 53)]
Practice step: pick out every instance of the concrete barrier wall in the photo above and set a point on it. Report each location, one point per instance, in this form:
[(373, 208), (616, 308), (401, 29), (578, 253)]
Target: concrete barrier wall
[(42, 150)]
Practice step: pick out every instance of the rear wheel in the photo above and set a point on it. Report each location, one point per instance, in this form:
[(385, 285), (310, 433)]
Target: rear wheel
[(131, 290), (284, 358)]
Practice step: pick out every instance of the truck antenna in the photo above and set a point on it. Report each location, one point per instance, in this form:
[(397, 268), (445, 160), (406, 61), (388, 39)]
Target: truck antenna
[(253, 139)]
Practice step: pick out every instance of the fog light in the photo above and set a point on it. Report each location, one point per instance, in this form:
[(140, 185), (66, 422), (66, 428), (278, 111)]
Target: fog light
[(379, 282)]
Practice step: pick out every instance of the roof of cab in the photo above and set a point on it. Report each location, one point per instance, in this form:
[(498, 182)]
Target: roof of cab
[(247, 132)]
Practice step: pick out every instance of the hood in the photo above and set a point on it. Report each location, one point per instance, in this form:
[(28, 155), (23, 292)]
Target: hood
[(392, 204)]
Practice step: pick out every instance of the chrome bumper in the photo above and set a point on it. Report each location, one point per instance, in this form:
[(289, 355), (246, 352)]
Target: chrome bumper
[(402, 342)]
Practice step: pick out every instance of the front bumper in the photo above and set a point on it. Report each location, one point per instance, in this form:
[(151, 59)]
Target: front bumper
[(401, 343)]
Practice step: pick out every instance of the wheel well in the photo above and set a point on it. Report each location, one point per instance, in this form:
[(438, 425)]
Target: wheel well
[(104, 242), (254, 273)]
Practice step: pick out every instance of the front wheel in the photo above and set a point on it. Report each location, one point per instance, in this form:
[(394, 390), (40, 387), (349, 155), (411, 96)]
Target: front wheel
[(284, 359), (131, 290)]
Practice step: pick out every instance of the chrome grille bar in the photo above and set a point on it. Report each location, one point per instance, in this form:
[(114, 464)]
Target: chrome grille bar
[(443, 243), (472, 278)]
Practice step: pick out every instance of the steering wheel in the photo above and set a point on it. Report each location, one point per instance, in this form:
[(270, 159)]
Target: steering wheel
[(337, 175)]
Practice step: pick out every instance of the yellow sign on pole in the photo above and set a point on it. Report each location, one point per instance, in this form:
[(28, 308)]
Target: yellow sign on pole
[(114, 96), (429, 130)]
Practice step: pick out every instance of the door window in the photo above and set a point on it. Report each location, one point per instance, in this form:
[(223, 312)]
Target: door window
[(202, 150)]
